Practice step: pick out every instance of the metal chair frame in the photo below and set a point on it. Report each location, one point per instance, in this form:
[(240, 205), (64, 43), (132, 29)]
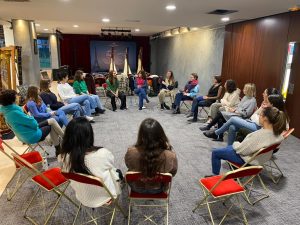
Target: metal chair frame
[(231, 175), (165, 201), (93, 180)]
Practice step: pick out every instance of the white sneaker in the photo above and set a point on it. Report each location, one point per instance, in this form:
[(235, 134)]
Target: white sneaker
[(143, 107), (89, 118)]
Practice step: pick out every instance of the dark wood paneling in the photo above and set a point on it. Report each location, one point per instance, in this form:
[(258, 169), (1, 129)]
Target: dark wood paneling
[(294, 30)]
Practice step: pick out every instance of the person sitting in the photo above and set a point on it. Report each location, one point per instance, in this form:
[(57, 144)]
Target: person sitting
[(214, 93), (244, 109), (80, 155), (80, 88), (38, 109), (273, 122), (168, 86), (151, 154), (231, 99), (25, 127), (113, 92), (50, 99), (188, 93), (252, 124), (66, 92), (141, 87)]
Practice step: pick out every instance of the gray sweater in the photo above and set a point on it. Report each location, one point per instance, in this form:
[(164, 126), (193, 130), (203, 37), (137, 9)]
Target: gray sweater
[(244, 109), (254, 142)]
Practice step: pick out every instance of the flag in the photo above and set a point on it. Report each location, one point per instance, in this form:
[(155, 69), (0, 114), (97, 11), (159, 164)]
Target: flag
[(127, 69), (112, 65), (140, 60)]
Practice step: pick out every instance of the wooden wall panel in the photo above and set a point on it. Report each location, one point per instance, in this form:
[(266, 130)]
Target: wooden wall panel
[(294, 29)]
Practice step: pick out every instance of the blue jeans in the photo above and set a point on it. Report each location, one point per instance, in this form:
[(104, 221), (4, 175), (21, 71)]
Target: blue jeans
[(74, 109), (181, 97), (82, 100), (61, 117), (95, 101), (233, 125), (141, 92), (227, 153), (199, 101)]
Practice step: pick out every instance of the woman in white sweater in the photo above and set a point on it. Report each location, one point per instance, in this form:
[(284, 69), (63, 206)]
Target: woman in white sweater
[(273, 122), (79, 155), (231, 99)]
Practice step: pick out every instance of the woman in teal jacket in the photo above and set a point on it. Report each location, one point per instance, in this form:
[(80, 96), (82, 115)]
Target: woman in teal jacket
[(80, 88), (26, 127)]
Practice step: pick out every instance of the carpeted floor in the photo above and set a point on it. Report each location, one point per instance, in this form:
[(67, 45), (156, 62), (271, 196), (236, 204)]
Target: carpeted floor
[(118, 130)]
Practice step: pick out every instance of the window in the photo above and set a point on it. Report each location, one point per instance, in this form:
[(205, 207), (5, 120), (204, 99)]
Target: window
[(44, 52)]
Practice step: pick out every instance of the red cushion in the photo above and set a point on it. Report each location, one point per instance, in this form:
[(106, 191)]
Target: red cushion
[(54, 175), (226, 187), (31, 157), (162, 195)]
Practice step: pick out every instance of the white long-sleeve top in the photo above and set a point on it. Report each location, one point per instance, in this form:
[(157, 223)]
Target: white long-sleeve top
[(101, 164), (65, 91), (255, 141), (231, 100)]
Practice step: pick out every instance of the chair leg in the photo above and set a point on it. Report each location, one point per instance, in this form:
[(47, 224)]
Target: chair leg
[(129, 212), (17, 185), (242, 210), (112, 216), (30, 202), (274, 178), (77, 213), (167, 214)]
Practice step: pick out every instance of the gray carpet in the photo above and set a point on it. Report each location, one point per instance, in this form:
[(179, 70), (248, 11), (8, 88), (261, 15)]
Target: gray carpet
[(118, 130)]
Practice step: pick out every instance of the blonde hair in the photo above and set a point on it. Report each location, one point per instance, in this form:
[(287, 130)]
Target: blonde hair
[(250, 90)]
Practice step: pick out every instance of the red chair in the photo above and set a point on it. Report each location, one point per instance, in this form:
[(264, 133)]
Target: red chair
[(98, 182), (224, 187), (33, 157), (161, 178), (271, 166), (50, 180), (264, 152)]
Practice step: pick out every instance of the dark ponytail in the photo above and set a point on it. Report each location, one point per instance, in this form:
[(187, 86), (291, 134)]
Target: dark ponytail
[(277, 118)]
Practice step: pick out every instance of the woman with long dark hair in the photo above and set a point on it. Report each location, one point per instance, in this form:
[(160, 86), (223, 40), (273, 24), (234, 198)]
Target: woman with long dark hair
[(80, 155), (151, 154), (273, 122), (113, 91)]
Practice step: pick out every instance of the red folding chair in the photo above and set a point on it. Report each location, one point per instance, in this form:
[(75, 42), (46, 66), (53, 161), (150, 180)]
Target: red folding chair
[(50, 180), (260, 153), (33, 157), (113, 201), (222, 188), (271, 166), (163, 197)]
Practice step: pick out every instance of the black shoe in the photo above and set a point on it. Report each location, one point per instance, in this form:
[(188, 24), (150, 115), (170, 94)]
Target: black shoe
[(57, 150), (166, 106), (220, 139), (101, 111), (147, 100), (204, 128), (206, 176), (140, 108), (190, 115), (173, 106), (192, 120), (96, 114), (162, 106), (91, 121), (210, 134)]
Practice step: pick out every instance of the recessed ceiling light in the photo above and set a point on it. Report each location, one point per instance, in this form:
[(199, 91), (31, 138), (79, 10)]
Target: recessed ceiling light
[(170, 7), (225, 19), (46, 29), (37, 25), (75, 26), (137, 30), (105, 20)]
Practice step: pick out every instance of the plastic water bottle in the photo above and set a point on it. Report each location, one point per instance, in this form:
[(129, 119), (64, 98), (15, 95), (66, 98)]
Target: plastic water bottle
[(48, 108)]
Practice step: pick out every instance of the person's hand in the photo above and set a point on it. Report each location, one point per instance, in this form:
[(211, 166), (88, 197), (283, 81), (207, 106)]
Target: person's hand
[(205, 97), (53, 113), (184, 93), (231, 110)]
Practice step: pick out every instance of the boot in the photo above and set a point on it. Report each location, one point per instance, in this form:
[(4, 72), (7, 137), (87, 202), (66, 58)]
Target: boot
[(162, 106), (166, 106), (176, 110), (173, 106)]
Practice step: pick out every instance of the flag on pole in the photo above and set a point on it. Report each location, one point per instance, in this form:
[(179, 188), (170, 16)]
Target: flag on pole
[(127, 69), (112, 65), (140, 60)]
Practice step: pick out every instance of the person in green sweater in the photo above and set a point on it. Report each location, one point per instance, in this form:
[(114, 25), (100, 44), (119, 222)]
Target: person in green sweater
[(25, 127), (112, 91), (80, 88)]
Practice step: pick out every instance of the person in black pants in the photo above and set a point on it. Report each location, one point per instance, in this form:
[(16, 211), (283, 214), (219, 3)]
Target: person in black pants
[(113, 91)]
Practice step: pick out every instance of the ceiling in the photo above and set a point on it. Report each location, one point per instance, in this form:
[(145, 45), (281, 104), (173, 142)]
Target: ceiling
[(150, 16)]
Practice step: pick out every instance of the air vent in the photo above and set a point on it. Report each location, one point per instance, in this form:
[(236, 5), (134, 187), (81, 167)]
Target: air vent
[(133, 21), (16, 0), (222, 12)]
